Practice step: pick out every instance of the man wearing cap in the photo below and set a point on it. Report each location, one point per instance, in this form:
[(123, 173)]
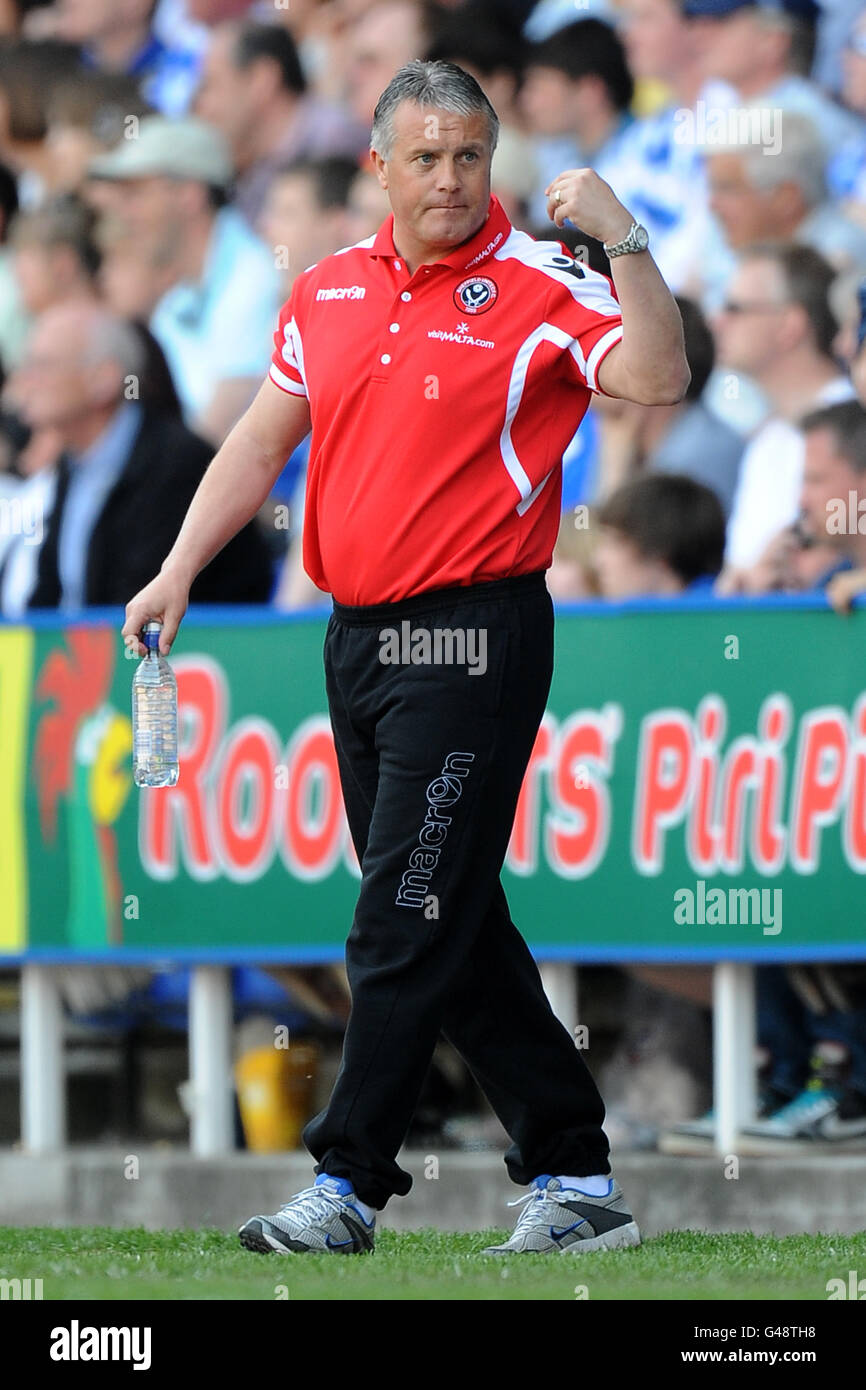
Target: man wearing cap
[(444, 365), (215, 321), (750, 50)]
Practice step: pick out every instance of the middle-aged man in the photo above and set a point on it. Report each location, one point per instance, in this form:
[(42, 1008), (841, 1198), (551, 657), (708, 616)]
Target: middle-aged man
[(444, 364), (833, 496), (126, 474), (782, 196)]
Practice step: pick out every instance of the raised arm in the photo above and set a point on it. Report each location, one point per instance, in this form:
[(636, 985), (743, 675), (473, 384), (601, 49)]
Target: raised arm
[(649, 365), (237, 481)]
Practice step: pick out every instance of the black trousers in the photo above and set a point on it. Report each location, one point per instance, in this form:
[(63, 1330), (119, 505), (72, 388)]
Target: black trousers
[(432, 757)]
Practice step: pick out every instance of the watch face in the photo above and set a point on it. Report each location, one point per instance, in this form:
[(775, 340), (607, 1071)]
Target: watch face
[(641, 236)]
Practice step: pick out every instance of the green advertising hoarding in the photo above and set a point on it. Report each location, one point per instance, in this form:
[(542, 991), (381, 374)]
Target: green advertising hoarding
[(697, 791)]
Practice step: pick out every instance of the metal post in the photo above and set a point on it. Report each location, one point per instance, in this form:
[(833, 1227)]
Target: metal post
[(560, 986), (210, 1054), (733, 1051), (43, 1073)]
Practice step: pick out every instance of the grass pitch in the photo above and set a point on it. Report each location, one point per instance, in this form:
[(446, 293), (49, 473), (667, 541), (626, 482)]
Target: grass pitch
[(99, 1263)]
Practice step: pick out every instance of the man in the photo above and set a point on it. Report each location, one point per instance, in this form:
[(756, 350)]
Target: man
[(85, 119), (379, 41), (833, 497), (755, 53), (254, 91), (688, 438), (759, 196), (660, 174), (661, 534), (368, 205), (126, 474), (467, 354), (306, 213), (56, 258), (835, 467), (117, 36), (847, 172), (29, 71), (13, 314), (776, 326), (214, 322), (576, 96), (306, 218)]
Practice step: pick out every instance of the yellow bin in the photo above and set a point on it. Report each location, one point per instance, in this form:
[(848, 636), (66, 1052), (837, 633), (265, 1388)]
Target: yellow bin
[(275, 1094)]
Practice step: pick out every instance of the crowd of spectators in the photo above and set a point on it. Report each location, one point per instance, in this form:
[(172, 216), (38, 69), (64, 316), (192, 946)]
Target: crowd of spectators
[(169, 167)]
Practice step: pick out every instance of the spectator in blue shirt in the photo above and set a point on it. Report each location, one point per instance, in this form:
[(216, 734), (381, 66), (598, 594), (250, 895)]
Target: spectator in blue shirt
[(119, 38), (846, 171)]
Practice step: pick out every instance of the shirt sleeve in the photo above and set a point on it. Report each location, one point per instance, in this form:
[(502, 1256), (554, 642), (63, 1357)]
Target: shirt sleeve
[(287, 361), (588, 312)]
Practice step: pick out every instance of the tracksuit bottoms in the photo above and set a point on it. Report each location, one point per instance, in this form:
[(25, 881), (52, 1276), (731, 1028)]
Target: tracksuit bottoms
[(432, 755)]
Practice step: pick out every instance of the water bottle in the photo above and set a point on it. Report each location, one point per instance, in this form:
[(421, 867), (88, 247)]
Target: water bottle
[(154, 716)]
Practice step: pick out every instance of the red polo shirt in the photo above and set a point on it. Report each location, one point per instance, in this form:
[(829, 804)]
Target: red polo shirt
[(441, 405)]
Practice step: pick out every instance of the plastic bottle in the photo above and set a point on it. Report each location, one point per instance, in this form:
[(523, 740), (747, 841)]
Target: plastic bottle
[(154, 716)]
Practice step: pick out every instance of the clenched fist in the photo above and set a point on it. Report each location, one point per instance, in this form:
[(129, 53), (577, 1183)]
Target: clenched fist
[(590, 203)]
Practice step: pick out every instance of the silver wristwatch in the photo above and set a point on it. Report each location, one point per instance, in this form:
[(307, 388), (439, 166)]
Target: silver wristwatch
[(636, 240)]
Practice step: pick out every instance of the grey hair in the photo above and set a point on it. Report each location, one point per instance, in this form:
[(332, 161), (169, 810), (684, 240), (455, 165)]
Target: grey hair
[(801, 159), (442, 85), (112, 339)]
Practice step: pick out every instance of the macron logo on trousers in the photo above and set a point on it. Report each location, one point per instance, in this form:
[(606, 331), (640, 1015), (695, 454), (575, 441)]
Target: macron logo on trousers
[(444, 791)]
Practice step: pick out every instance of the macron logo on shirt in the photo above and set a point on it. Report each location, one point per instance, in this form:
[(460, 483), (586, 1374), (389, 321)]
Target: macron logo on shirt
[(342, 292)]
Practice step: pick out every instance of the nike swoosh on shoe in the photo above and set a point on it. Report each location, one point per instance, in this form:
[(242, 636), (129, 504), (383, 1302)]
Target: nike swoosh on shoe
[(558, 1235)]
